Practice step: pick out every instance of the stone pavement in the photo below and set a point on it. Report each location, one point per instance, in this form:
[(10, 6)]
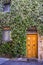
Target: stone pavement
[(2, 60), (22, 61)]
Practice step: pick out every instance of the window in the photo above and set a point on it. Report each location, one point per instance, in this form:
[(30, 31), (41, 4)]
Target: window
[(6, 35), (6, 7)]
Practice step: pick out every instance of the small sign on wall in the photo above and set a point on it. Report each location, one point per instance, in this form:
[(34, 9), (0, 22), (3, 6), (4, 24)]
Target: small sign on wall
[(6, 36)]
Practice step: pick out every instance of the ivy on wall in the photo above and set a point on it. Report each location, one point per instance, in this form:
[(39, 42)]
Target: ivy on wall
[(23, 14)]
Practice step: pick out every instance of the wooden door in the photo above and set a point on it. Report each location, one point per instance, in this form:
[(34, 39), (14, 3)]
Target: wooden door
[(32, 45)]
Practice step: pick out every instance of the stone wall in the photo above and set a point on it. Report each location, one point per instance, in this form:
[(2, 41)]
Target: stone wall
[(40, 47)]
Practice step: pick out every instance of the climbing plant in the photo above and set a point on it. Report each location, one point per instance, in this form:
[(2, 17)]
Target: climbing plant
[(23, 14)]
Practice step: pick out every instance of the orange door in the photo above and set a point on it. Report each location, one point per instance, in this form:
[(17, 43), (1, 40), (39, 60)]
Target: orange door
[(32, 45)]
